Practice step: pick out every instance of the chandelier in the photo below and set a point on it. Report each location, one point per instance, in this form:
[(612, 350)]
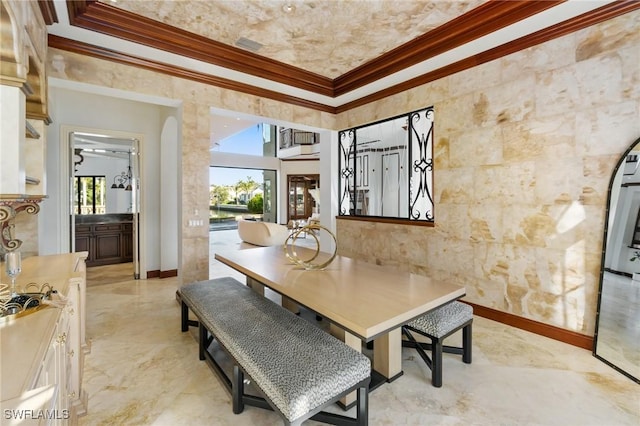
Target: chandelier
[(123, 180)]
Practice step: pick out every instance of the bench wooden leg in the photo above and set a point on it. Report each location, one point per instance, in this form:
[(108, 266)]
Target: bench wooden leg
[(362, 414), (237, 390), (436, 360), (185, 322), (437, 348), (466, 344), (202, 341), (184, 317)]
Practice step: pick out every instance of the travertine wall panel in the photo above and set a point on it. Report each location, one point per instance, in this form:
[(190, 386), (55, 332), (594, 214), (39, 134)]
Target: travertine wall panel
[(196, 100), (488, 74), (476, 148), (524, 150)]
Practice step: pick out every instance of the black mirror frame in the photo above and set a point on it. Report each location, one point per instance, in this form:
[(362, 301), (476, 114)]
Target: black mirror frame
[(602, 263), (419, 169)]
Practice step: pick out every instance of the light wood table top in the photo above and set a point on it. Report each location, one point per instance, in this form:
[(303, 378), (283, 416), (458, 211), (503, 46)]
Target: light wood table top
[(365, 299)]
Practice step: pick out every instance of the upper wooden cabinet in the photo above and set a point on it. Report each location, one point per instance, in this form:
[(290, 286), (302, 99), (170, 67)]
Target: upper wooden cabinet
[(23, 86), (23, 89), (23, 53)]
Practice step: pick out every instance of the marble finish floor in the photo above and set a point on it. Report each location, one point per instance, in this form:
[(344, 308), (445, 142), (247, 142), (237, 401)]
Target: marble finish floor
[(107, 274), (143, 371), (619, 323)]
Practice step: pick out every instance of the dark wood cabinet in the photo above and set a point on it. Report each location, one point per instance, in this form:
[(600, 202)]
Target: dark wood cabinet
[(127, 241), (107, 243), (301, 204)]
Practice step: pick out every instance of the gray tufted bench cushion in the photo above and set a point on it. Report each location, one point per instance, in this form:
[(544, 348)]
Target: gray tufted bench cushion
[(438, 325), (442, 321), (299, 367)]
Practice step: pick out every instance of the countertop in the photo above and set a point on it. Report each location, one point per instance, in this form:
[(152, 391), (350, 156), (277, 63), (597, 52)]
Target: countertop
[(93, 219), (25, 339)]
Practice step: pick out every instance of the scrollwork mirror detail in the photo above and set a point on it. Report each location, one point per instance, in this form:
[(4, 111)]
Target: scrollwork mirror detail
[(617, 336), (386, 168)]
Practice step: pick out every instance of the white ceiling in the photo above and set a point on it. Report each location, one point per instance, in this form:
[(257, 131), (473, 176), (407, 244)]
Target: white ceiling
[(94, 145)]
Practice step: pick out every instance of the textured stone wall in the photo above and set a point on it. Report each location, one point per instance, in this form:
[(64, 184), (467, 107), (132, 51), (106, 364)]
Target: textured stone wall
[(525, 147), (196, 101)]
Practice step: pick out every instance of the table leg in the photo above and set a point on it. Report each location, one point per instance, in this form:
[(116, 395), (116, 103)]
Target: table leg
[(286, 302), (255, 286), (387, 354), (290, 305), (356, 344)]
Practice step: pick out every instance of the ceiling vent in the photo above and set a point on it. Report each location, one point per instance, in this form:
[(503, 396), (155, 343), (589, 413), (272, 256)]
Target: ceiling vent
[(251, 45)]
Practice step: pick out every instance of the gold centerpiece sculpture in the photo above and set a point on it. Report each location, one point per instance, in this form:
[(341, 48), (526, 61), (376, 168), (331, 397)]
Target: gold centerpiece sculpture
[(312, 230)]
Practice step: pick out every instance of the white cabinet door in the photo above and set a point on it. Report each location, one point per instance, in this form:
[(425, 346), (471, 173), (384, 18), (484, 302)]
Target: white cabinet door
[(75, 353)]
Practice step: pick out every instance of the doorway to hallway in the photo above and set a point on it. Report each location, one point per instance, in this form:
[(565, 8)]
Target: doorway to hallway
[(301, 204), (104, 217)]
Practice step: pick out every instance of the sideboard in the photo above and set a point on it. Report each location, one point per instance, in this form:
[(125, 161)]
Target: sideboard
[(108, 238), (43, 352)]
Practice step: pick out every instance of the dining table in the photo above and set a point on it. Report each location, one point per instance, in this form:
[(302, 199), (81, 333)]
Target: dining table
[(362, 301)]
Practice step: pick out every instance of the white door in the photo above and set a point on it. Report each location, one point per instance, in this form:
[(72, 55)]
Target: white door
[(390, 185)]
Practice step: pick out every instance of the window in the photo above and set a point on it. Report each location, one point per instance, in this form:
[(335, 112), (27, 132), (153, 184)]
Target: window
[(89, 194), (258, 140), (241, 192), (386, 168)]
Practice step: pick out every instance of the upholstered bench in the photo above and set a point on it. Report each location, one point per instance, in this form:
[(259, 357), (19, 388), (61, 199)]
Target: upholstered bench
[(438, 325), (298, 367)]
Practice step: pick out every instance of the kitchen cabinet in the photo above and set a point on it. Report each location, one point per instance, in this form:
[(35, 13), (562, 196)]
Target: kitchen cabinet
[(43, 351), (107, 238), (23, 90)]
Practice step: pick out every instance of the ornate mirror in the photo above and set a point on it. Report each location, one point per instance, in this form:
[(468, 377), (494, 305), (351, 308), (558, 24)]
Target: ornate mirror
[(617, 336), (386, 168)]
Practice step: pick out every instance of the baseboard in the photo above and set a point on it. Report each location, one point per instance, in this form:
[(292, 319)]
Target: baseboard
[(162, 274), (168, 274), (566, 336)]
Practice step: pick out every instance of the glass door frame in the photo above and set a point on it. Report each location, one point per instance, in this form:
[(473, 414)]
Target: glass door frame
[(135, 161), (309, 182)]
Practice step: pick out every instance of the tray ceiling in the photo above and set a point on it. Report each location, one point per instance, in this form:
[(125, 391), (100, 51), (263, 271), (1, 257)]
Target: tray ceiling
[(328, 38), (329, 55)]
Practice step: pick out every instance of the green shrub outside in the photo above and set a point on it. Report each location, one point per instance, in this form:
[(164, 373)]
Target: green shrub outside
[(255, 204)]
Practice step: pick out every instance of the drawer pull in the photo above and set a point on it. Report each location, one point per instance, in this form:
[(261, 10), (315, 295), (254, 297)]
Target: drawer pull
[(72, 395)]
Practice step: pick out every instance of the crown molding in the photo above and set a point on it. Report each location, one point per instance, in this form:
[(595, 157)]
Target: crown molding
[(489, 17), (596, 16), (163, 68), (48, 11), (106, 19), (388, 63), (483, 20)]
